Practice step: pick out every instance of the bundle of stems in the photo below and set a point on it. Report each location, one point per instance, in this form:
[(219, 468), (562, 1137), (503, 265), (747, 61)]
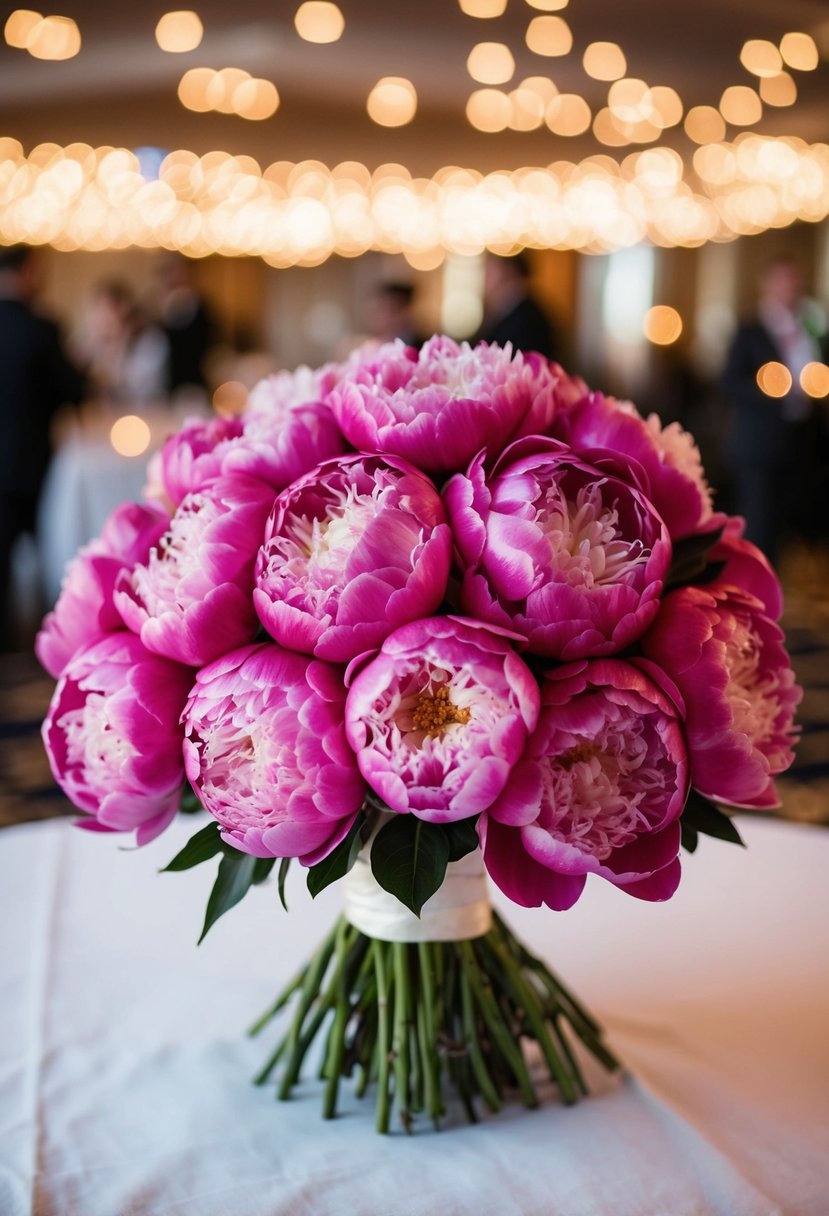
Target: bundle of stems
[(408, 1018)]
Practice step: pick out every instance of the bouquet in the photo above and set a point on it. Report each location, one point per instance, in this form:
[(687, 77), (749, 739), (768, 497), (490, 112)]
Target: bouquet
[(412, 620)]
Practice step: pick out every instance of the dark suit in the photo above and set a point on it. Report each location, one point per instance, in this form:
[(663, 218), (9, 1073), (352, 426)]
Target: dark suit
[(36, 378), (768, 452), (526, 326)]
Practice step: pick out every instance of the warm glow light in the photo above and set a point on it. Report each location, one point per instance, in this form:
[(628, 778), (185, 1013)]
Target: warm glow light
[(222, 87), (662, 324), (483, 8), (319, 21), (704, 125), (230, 398), (255, 99), (774, 379), (548, 6), (666, 104), (392, 102), (760, 57), (549, 36), (779, 90), (192, 89), (54, 38), (627, 100), (568, 114), (741, 106), (490, 63), (604, 61), (814, 380), (180, 31), (489, 110), (527, 110), (20, 26), (606, 130), (799, 51), (542, 86), (130, 435)]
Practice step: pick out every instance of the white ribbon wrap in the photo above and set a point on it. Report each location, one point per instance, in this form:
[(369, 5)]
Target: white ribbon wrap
[(458, 910)]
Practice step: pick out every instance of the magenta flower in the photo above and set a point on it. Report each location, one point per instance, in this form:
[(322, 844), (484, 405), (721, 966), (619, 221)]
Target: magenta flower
[(192, 599), (436, 407), (747, 568), (565, 553), (193, 457), (557, 392), (288, 428), (352, 550), (85, 610), (599, 791), (265, 750), (728, 660), (113, 737), (440, 717), (676, 483)]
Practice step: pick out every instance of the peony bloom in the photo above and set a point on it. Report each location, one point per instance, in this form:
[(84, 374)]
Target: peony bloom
[(747, 568), (265, 749), (436, 407), (440, 717), (600, 791), (671, 460), (728, 661), (288, 428), (352, 550), (113, 737), (566, 553), (85, 610), (193, 457), (191, 600), (557, 392)]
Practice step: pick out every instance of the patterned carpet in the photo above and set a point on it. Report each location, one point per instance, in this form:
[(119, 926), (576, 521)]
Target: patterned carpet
[(27, 791)]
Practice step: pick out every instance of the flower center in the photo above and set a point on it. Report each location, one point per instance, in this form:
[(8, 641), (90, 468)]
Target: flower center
[(435, 711), (177, 555), (92, 743), (584, 537), (752, 695)]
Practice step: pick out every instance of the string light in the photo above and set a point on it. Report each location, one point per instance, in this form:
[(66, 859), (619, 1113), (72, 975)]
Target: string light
[(799, 51), (319, 21), (604, 61), (704, 125), (228, 91), (179, 31), (43, 37), (814, 380), (774, 379), (483, 8), (779, 90), (760, 57), (741, 106), (662, 325), (80, 197), (392, 102), (549, 36), (490, 63)]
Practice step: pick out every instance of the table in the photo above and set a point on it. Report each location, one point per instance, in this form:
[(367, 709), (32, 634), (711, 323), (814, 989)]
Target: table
[(124, 1073)]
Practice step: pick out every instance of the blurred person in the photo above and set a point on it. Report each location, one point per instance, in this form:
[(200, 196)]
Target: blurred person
[(187, 323), (511, 314), (389, 314), (773, 443), (124, 354), (36, 379)]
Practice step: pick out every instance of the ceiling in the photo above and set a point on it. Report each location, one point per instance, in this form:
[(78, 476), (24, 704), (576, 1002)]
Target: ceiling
[(121, 89)]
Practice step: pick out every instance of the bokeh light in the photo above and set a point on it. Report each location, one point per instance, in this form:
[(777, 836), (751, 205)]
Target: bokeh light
[(549, 36), (799, 51), (179, 31), (130, 435), (392, 102), (319, 21), (483, 8), (662, 325), (814, 380), (490, 63), (604, 61), (774, 379)]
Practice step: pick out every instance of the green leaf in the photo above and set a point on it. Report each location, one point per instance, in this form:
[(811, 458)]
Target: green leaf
[(284, 866), (409, 859), (462, 837), (339, 861), (190, 804), (262, 869), (690, 558), (236, 874), (201, 847), (703, 815), (689, 837)]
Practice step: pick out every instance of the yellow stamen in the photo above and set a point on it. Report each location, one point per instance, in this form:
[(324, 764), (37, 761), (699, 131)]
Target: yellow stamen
[(578, 754), (435, 711)]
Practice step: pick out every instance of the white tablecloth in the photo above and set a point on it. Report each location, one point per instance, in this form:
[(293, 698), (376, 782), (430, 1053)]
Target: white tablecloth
[(124, 1073)]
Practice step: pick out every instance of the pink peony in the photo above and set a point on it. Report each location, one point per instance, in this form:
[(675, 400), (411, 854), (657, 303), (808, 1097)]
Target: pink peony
[(727, 659), (113, 737), (670, 458), (440, 717), (193, 457), (85, 610), (747, 568), (288, 428), (436, 407), (600, 791), (566, 553), (352, 550), (557, 392), (265, 749), (192, 599)]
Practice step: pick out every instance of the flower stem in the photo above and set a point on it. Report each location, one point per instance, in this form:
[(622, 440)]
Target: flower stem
[(400, 1045), (383, 1111)]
